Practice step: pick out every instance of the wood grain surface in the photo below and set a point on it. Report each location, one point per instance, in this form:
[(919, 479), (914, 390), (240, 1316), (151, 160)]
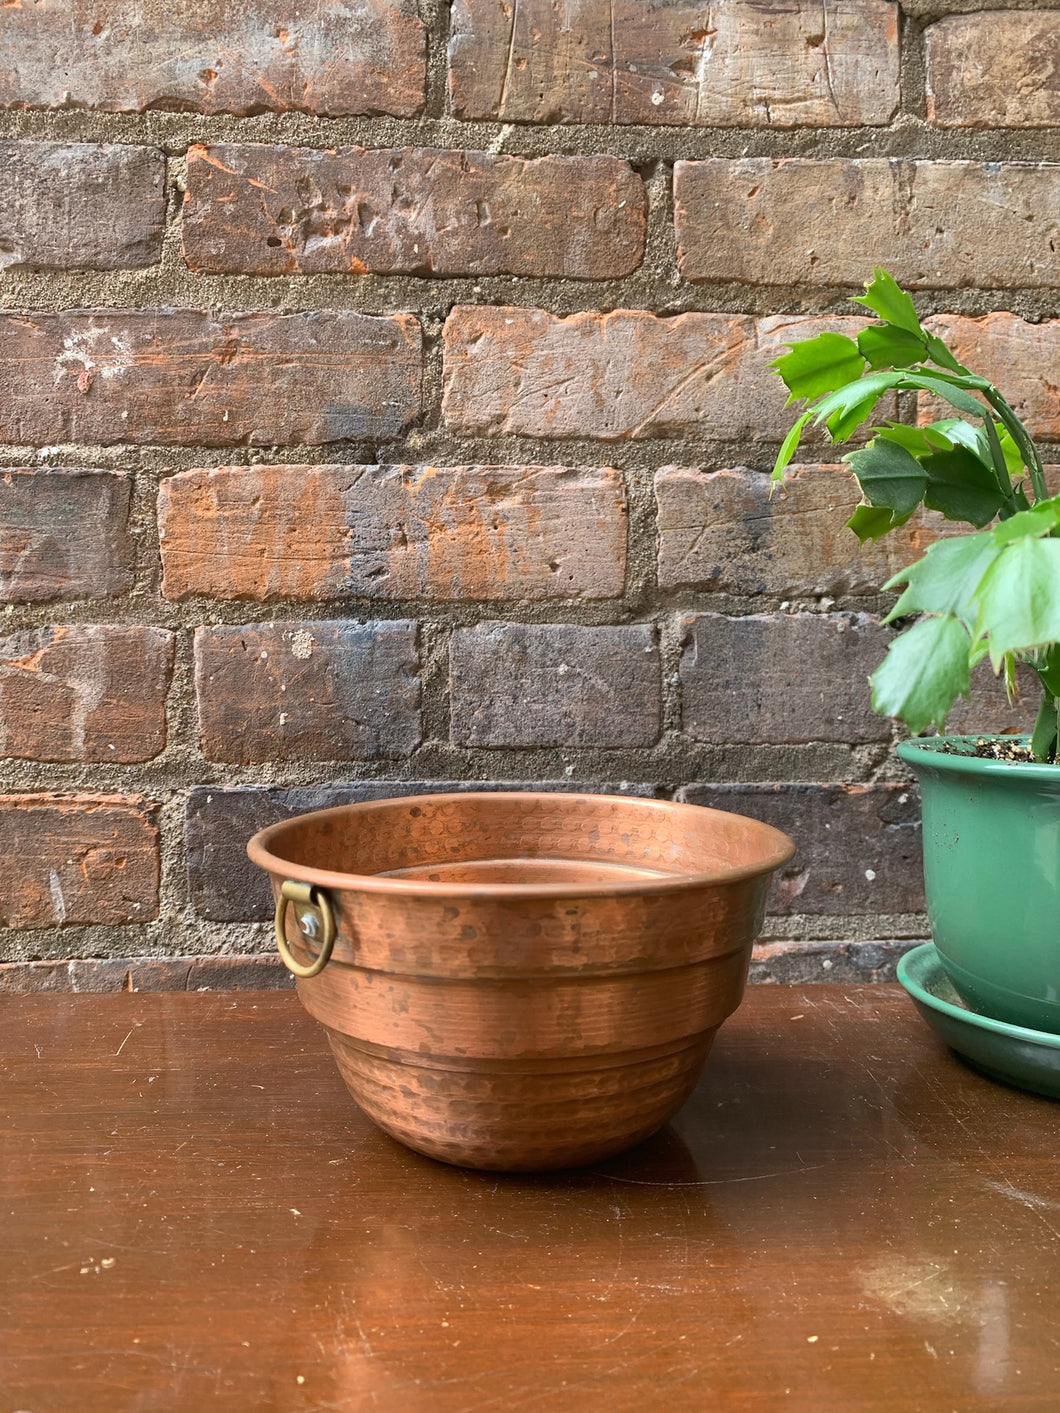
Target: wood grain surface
[(842, 1219)]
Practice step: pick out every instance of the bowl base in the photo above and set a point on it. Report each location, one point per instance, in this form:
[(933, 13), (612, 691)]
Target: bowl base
[(522, 1115)]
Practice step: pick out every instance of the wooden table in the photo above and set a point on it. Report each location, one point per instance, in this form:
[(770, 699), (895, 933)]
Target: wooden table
[(196, 1217)]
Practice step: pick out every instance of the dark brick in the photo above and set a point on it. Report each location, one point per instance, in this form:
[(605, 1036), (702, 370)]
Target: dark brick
[(722, 530), (781, 678), (858, 846), (238, 973), (328, 57), (554, 684), (186, 377), (84, 692), (328, 690), (45, 978), (78, 205), (988, 710), (411, 210), (740, 64), (77, 859), (63, 533), (933, 225), (227, 887), (624, 375), (850, 963), (394, 532)]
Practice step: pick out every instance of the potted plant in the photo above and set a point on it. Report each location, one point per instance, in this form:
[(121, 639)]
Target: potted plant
[(991, 807)]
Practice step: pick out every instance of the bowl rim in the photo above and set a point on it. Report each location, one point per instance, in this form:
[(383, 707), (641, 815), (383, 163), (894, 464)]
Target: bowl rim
[(259, 849)]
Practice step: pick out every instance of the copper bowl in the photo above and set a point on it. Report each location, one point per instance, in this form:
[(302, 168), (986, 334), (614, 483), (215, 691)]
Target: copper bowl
[(519, 981)]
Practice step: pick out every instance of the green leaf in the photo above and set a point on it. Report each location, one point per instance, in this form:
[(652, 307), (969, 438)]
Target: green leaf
[(914, 439), (955, 396), (940, 354), (884, 297), (1012, 453), (954, 431), (1019, 606), (946, 579), (887, 346), (788, 448), (869, 522), (936, 440), (1047, 665), (962, 487), (1043, 519), (926, 669), (843, 425), (819, 365), (1010, 677), (855, 393), (889, 476)]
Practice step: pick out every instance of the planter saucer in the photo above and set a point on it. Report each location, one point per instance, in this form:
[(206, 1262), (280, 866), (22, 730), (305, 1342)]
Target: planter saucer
[(1028, 1059)]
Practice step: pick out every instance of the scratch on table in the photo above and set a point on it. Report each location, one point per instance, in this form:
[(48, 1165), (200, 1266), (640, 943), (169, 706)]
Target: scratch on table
[(618, 1266), (121, 1047), (713, 1182), (634, 1317), (1030, 1200), (366, 1343), (1018, 1194)]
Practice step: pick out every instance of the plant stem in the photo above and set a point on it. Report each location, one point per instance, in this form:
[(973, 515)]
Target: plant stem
[(1046, 730), (1023, 440), (1000, 466)]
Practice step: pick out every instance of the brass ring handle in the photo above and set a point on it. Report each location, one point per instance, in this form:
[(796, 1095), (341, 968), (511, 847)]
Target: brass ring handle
[(316, 922)]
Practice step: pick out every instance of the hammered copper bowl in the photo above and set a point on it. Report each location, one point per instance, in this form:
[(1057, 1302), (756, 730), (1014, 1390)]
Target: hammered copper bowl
[(519, 981)]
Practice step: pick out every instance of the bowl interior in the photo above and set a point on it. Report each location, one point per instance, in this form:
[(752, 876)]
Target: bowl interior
[(520, 841)]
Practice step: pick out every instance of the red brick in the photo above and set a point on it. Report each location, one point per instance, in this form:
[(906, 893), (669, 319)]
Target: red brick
[(84, 693), (627, 374), (226, 887), (1017, 356), (186, 377), (553, 684), (411, 210), (934, 225), (622, 61), (77, 859), (394, 532), (63, 533), (328, 56), (781, 678), (721, 530), (78, 205), (994, 69), (307, 691), (858, 846)]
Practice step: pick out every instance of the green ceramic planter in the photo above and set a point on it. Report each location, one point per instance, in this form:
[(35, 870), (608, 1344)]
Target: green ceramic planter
[(992, 876), (1029, 1059)]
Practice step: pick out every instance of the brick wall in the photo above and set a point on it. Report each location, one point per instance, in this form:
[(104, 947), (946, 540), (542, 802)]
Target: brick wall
[(384, 407)]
